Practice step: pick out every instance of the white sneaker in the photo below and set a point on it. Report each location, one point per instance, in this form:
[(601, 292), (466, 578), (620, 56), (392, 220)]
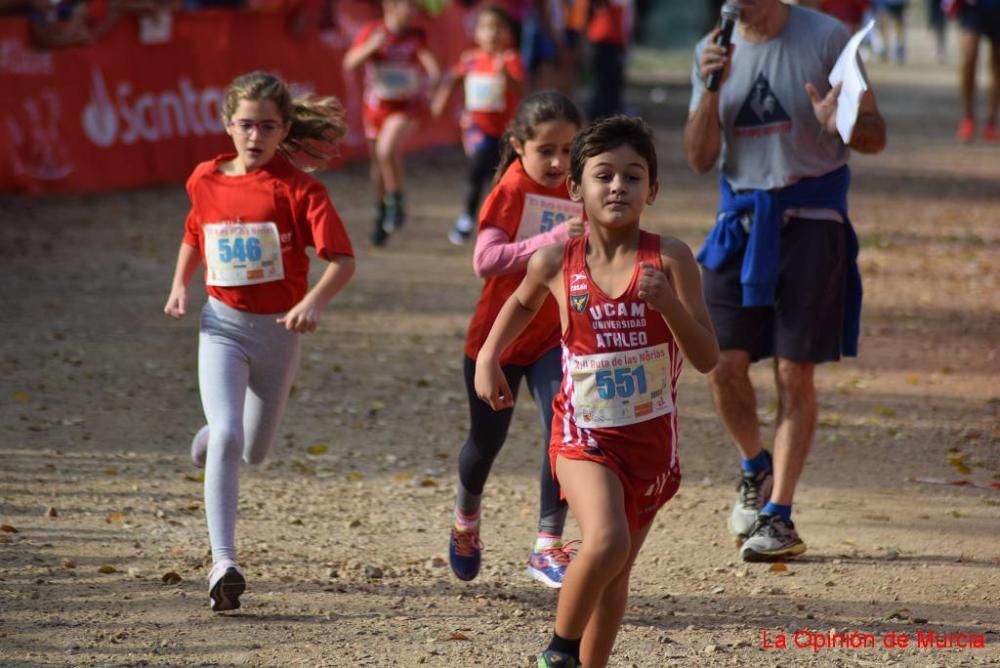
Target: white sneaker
[(754, 492), (462, 230), (772, 539), (199, 447), (225, 585)]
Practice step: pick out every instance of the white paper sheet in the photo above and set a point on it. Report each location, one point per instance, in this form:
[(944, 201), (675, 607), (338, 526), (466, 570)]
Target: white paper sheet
[(847, 70)]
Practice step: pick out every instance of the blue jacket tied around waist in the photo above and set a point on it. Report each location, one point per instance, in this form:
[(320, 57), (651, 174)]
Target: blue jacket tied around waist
[(759, 274)]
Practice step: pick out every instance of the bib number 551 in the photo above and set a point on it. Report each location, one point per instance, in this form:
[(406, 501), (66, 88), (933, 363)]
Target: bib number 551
[(622, 383)]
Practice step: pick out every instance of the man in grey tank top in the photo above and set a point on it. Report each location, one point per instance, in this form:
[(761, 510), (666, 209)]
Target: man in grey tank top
[(780, 271)]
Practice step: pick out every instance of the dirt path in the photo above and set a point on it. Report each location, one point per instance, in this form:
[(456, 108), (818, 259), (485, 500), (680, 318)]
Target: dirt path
[(343, 532)]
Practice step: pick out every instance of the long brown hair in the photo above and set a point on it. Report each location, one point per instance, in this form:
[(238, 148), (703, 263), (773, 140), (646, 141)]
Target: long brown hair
[(315, 124), (537, 108)]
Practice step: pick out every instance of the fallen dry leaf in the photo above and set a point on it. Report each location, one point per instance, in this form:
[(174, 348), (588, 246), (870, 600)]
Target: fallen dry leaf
[(115, 517), (317, 449), (170, 578), (457, 635), (107, 569), (6, 528)]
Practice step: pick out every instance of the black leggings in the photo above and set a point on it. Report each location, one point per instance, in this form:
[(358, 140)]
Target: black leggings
[(489, 428), (482, 165), (608, 69)]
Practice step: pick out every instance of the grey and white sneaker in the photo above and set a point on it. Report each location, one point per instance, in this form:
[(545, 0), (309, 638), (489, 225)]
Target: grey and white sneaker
[(754, 491), (226, 583), (772, 539)]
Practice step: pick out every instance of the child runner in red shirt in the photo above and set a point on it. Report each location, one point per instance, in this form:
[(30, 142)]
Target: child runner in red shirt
[(494, 79), (392, 50), (253, 213), (630, 304), (528, 208)]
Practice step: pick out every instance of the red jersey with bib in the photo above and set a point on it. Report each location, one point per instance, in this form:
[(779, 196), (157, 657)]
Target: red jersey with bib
[(393, 75), (489, 102), (253, 230), (521, 208), (618, 402)]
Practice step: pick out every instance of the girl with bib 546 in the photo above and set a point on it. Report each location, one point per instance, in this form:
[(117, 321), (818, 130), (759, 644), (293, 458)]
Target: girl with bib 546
[(253, 213)]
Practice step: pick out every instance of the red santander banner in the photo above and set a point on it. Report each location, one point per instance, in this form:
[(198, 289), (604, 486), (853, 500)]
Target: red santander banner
[(123, 114)]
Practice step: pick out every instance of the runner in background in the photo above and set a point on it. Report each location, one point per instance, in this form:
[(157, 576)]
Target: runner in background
[(851, 12), (978, 20), (393, 51), (608, 32), (493, 80)]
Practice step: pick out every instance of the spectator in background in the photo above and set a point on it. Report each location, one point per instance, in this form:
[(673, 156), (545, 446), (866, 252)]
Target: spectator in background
[(937, 22), (891, 15), (787, 285), (608, 32), (303, 16), (542, 42), (978, 18), (69, 22), (574, 30)]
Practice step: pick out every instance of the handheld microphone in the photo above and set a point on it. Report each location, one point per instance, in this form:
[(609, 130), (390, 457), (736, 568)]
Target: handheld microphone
[(730, 15)]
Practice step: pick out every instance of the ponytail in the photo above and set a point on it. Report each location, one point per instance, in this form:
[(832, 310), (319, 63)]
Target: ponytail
[(537, 108), (315, 125)]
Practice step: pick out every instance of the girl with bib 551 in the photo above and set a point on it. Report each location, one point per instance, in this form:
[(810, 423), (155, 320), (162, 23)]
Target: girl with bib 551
[(630, 306)]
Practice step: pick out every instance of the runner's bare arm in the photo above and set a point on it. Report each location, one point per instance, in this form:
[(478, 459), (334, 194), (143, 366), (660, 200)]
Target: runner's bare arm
[(544, 271), (703, 131), (869, 130), (187, 263), (355, 56), (442, 93), (676, 294), (304, 316), (430, 65), (869, 134)]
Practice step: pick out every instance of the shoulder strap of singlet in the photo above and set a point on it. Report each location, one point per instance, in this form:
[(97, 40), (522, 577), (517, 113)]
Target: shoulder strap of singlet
[(649, 249)]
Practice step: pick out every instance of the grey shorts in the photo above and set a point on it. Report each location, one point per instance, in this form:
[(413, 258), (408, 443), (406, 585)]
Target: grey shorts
[(806, 322)]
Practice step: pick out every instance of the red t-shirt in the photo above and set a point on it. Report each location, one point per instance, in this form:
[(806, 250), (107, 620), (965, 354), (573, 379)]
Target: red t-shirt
[(490, 102), (504, 208), (393, 74), (609, 23), (848, 11), (279, 193), (617, 404)]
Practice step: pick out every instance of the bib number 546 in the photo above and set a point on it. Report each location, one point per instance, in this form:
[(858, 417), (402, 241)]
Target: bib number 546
[(240, 250)]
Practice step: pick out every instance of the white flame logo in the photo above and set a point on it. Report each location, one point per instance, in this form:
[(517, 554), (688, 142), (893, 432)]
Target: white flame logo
[(99, 119)]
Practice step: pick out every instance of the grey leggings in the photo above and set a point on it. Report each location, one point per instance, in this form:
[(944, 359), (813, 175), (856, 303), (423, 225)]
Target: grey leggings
[(246, 365)]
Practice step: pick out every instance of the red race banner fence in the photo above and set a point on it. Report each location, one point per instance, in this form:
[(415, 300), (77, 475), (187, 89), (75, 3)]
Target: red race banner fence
[(123, 114)]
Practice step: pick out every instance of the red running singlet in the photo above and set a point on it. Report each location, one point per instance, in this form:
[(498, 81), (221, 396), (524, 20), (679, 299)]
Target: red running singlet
[(617, 403)]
